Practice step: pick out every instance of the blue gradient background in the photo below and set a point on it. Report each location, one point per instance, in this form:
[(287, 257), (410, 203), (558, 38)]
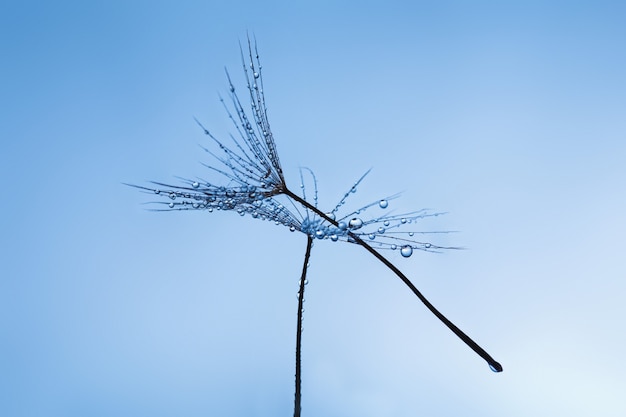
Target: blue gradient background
[(508, 115)]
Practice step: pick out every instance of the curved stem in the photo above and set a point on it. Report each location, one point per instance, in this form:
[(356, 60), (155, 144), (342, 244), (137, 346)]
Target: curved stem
[(493, 364), (298, 395)]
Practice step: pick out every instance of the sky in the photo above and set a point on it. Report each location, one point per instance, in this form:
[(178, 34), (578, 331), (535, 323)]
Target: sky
[(509, 116)]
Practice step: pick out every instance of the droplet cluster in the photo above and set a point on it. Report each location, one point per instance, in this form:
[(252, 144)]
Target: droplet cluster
[(255, 184)]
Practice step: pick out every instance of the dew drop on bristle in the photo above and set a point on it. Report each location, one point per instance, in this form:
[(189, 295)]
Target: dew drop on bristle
[(372, 236), (342, 225), (195, 185), (383, 204), (386, 223), (355, 223), (292, 229), (171, 205), (157, 191), (406, 251), (256, 75), (381, 230), (394, 247), (403, 220), (334, 238)]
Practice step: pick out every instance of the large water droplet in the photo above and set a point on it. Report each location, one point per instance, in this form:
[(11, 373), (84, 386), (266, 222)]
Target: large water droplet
[(403, 220), (355, 223), (406, 251), (495, 367), (342, 225), (383, 203), (386, 222), (411, 233), (319, 234), (334, 238), (195, 185), (381, 230), (372, 236)]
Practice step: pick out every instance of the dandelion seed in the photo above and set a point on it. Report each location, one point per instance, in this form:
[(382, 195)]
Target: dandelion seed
[(253, 179)]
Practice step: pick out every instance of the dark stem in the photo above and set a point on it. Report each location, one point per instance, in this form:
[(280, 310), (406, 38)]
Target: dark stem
[(307, 255), (493, 364)]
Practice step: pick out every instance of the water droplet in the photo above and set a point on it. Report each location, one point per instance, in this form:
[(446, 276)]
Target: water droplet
[(256, 75), (172, 196), (195, 205), (394, 247), (292, 229), (232, 89), (171, 205), (495, 367), (195, 185), (306, 282), (372, 236), (210, 209), (331, 215), (386, 222), (383, 203), (411, 233), (334, 238), (157, 191), (428, 245), (406, 251), (355, 223), (319, 234), (381, 230), (342, 225)]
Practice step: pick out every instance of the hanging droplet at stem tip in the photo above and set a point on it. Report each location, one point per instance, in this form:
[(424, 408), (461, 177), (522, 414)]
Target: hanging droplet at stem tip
[(495, 367)]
